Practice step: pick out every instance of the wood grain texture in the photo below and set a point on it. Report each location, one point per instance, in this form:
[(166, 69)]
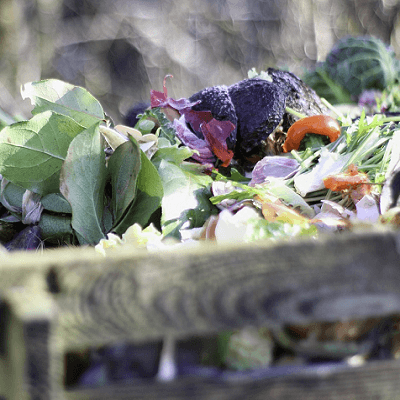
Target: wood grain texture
[(374, 381), (27, 361), (74, 298), (203, 290)]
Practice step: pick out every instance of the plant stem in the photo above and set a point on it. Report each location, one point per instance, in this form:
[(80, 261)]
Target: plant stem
[(294, 112)]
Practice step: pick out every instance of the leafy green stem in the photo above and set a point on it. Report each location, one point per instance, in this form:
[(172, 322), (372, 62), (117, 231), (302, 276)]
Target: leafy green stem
[(294, 112)]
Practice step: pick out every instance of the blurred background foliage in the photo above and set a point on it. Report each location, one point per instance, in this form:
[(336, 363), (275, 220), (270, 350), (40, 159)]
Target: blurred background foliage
[(120, 49)]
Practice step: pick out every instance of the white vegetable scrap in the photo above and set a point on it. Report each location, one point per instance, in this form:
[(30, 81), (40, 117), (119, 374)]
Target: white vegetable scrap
[(367, 209), (233, 227), (332, 217), (113, 241), (329, 163), (219, 188), (120, 134), (149, 238), (113, 137)]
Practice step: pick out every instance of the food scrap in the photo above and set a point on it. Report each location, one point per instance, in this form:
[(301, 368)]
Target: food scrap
[(223, 117), (198, 130), (350, 181), (165, 167), (317, 124)]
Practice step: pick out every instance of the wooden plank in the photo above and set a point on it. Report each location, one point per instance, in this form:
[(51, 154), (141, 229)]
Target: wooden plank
[(30, 268), (372, 381), (3, 348), (140, 296), (135, 295), (145, 297), (28, 368)]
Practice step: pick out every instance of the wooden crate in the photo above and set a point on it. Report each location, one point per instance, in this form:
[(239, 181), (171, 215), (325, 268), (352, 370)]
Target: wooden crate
[(70, 299)]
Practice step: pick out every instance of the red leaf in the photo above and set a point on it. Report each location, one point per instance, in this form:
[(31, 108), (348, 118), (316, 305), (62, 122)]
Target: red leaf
[(157, 99), (189, 139), (216, 132), (196, 118)]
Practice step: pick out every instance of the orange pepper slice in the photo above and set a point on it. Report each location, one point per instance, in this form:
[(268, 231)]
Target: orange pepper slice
[(318, 124), (350, 179)]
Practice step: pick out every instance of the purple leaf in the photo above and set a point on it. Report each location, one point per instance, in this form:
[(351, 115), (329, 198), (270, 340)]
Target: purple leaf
[(216, 132), (204, 125), (188, 138), (278, 167)]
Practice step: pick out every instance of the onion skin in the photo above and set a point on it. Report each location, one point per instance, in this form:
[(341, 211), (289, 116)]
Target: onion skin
[(317, 124)]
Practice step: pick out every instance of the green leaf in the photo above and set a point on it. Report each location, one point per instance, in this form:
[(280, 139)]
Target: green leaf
[(82, 182), (193, 207), (56, 202), (107, 220), (236, 176), (123, 167), (178, 191), (63, 98), (148, 197), (56, 229), (145, 126), (11, 196), (278, 188), (261, 229), (193, 217), (185, 189), (237, 195), (170, 153), (32, 152), (165, 130)]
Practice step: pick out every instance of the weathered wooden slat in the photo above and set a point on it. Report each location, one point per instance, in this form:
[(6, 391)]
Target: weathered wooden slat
[(373, 381), (140, 296), (27, 363), (204, 290), (75, 298)]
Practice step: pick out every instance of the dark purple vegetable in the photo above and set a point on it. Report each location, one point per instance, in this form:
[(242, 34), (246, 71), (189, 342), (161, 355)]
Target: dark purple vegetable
[(257, 108), (225, 122), (198, 130), (217, 100)]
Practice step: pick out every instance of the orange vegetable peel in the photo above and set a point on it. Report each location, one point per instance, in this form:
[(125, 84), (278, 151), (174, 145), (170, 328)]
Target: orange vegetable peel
[(317, 124)]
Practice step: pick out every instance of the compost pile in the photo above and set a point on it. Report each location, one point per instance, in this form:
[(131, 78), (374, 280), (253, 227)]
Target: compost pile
[(271, 157)]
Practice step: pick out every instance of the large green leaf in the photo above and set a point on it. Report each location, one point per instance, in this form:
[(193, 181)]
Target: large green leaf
[(186, 188), (82, 182), (186, 193), (64, 98), (32, 152), (123, 168), (148, 197)]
